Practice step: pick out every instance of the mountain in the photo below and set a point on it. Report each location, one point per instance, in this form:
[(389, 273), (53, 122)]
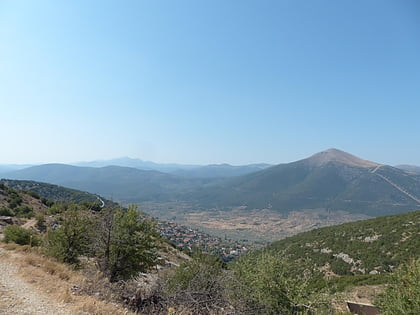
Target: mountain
[(332, 179), (409, 168), (122, 184), (220, 170)]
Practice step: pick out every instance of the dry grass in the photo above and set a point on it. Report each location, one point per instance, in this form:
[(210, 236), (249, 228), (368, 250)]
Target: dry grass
[(60, 282), (91, 305), (10, 246)]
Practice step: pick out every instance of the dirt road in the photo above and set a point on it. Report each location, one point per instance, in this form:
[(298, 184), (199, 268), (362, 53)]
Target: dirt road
[(17, 296)]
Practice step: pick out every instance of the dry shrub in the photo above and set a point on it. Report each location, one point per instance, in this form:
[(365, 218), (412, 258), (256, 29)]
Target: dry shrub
[(66, 297), (10, 246), (90, 305), (32, 260), (24, 248)]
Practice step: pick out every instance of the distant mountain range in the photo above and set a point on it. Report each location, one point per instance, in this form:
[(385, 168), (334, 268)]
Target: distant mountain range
[(332, 180), (137, 163), (409, 168), (4, 168), (185, 170)]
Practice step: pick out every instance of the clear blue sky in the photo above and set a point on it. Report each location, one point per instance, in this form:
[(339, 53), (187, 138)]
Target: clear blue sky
[(209, 81)]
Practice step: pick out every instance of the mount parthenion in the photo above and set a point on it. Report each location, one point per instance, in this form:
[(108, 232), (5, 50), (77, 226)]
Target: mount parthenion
[(331, 180)]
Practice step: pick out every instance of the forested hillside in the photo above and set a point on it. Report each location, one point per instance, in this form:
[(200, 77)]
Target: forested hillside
[(374, 246), (50, 191)]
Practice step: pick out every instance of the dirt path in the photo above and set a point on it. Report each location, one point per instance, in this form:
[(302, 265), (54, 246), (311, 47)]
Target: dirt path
[(20, 297)]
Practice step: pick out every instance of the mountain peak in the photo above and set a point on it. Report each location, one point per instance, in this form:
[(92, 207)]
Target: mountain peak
[(335, 155)]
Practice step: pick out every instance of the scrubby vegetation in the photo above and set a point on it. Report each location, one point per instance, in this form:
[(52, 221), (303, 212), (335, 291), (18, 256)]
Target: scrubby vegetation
[(21, 236), (403, 294), (122, 242), (359, 252), (298, 275), (47, 192)]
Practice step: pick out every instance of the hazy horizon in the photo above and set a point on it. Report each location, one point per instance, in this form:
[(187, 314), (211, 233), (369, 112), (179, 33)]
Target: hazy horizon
[(209, 82), (177, 163)]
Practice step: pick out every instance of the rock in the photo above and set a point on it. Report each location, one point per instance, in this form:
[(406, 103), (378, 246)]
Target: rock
[(7, 220)]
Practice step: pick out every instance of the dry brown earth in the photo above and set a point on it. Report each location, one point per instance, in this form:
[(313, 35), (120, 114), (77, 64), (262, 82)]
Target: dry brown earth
[(32, 284)]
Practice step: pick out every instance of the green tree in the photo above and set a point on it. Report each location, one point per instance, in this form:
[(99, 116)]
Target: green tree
[(72, 238), (403, 294), (126, 243)]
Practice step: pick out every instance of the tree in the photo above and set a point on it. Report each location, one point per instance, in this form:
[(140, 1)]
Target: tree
[(126, 243), (73, 237), (403, 294)]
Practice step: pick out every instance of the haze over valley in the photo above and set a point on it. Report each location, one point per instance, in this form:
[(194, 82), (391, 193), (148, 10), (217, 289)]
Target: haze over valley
[(257, 201)]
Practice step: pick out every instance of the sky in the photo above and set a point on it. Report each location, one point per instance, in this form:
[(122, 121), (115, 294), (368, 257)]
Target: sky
[(202, 82)]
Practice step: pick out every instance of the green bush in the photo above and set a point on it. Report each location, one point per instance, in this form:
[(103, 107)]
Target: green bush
[(19, 235), (33, 194), (47, 202), (24, 212), (403, 294), (339, 267), (15, 200), (271, 286), (7, 212), (56, 208), (41, 223)]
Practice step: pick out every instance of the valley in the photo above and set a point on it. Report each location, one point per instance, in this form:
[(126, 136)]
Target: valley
[(323, 220), (256, 226), (254, 202)]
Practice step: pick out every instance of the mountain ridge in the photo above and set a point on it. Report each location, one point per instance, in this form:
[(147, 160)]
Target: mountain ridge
[(331, 179)]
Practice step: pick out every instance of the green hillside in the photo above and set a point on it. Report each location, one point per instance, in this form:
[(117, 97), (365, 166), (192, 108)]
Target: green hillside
[(368, 248), (50, 191), (19, 204)]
